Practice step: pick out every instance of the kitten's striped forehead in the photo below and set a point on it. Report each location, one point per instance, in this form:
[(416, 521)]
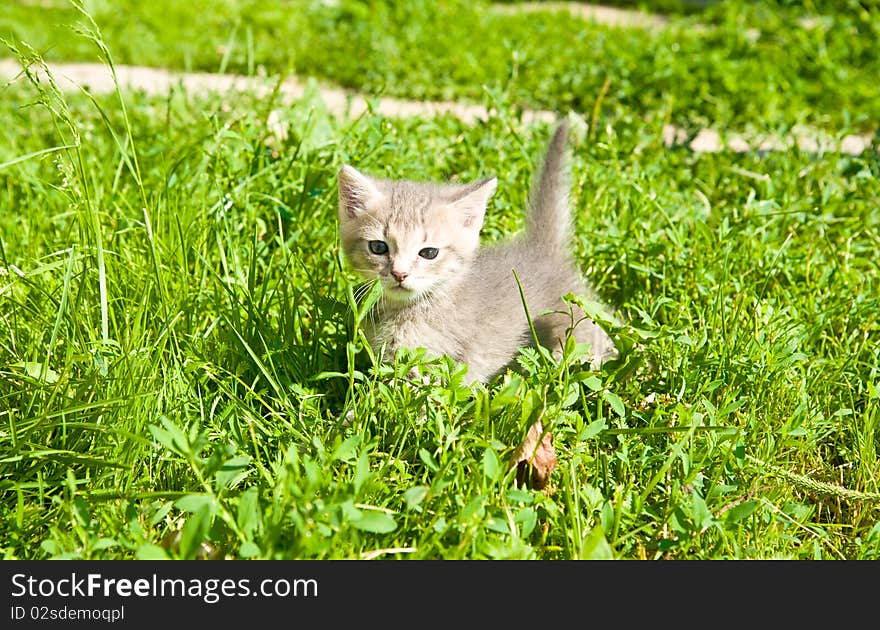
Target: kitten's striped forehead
[(408, 203), (406, 210)]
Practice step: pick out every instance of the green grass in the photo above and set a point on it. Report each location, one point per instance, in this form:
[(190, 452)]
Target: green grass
[(177, 353), (720, 74)]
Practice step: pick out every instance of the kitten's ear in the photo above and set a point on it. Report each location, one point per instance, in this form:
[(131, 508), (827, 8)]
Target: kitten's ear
[(356, 190), (471, 200)]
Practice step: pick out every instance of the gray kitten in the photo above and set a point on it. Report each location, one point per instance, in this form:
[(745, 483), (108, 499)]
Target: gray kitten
[(444, 293)]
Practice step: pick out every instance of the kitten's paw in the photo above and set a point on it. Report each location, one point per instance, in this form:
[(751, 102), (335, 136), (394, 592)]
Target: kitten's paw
[(347, 419)]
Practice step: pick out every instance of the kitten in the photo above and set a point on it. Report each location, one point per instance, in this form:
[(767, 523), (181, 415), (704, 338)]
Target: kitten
[(444, 293)]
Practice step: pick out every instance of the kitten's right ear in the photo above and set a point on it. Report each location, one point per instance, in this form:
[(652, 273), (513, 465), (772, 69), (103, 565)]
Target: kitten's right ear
[(356, 190), (471, 201)]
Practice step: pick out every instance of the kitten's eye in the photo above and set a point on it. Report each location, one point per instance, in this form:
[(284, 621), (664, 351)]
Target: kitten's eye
[(379, 247), (429, 252)]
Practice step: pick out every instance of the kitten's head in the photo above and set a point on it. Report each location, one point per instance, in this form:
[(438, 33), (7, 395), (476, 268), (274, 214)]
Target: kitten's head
[(414, 237)]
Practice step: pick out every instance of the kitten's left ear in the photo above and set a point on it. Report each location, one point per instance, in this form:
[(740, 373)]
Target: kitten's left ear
[(471, 200), (356, 190)]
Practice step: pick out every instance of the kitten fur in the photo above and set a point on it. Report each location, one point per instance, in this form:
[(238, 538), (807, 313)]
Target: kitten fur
[(465, 302)]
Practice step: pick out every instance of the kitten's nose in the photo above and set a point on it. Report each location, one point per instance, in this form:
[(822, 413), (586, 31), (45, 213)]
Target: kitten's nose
[(400, 276)]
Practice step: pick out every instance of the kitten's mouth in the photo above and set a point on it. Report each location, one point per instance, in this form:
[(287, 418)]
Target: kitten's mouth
[(399, 292)]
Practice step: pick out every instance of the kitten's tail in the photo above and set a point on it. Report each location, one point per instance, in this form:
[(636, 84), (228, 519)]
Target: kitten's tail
[(549, 218)]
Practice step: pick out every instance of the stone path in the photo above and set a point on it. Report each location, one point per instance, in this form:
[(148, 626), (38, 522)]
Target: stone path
[(97, 78), (609, 16)]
